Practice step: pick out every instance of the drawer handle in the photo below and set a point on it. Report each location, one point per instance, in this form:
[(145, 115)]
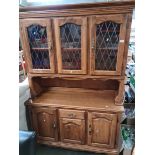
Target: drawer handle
[(72, 115)]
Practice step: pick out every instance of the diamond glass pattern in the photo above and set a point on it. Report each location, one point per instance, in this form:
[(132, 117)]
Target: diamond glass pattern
[(37, 36), (40, 59), (107, 40), (71, 46)]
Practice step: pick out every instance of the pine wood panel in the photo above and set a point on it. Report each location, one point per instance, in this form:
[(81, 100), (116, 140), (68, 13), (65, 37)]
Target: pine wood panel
[(128, 29), (102, 129), (78, 9), (94, 84), (39, 84), (45, 124), (78, 99), (80, 77), (72, 126), (72, 130)]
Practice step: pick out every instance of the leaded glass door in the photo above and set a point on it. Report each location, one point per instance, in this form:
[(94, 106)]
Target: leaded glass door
[(107, 40), (71, 35), (38, 45)]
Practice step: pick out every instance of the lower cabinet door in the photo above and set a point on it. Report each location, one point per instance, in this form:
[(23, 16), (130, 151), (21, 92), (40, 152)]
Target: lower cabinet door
[(45, 124), (72, 130), (102, 129)]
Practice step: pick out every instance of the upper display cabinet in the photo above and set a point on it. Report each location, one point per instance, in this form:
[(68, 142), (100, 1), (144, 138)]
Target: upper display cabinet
[(38, 45), (107, 38), (71, 44), (92, 45)]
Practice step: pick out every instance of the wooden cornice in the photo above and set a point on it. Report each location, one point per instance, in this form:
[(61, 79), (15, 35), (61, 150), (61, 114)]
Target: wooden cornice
[(84, 9)]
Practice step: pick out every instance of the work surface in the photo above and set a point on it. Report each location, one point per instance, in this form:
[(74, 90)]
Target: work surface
[(79, 99)]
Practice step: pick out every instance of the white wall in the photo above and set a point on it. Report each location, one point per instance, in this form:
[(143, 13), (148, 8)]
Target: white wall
[(24, 94)]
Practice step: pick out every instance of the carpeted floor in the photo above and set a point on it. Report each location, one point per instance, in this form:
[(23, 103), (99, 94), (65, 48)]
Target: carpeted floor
[(45, 150)]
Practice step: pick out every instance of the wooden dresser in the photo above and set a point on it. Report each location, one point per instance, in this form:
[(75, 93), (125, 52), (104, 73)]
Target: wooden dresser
[(76, 58)]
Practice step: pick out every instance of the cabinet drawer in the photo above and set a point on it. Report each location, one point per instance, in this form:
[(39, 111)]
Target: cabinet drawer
[(71, 114)]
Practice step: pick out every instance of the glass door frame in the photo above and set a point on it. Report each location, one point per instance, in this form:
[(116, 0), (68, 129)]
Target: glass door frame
[(94, 20), (82, 21), (24, 24)]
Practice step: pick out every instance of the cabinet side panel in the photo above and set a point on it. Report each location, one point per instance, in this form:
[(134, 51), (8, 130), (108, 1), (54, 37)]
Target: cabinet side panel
[(128, 29)]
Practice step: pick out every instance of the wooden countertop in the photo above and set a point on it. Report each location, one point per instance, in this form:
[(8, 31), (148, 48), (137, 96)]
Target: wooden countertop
[(78, 98)]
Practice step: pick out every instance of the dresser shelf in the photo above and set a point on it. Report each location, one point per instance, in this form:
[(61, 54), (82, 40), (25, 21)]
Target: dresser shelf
[(78, 99)]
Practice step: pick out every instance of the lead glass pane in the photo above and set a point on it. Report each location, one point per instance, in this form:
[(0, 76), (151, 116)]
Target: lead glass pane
[(37, 37), (71, 46), (107, 40)]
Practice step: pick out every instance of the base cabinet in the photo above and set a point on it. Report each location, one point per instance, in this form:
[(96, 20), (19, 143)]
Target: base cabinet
[(96, 129), (45, 124), (102, 129)]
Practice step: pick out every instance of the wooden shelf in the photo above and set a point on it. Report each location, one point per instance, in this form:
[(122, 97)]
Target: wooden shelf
[(70, 49), (40, 48), (107, 48), (109, 31), (78, 98)]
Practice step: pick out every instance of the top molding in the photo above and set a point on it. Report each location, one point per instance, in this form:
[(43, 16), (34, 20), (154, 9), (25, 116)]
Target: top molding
[(124, 6)]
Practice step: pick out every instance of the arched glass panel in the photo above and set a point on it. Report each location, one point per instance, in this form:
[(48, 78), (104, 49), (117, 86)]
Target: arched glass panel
[(37, 37), (71, 46), (107, 40)]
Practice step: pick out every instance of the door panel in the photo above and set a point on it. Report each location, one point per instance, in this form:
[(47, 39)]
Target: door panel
[(107, 38), (98, 125), (72, 130), (38, 45), (102, 129), (71, 47), (45, 124)]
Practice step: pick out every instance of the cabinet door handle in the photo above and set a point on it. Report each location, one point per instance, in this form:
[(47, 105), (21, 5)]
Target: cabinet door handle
[(50, 48), (54, 124), (93, 44), (90, 130)]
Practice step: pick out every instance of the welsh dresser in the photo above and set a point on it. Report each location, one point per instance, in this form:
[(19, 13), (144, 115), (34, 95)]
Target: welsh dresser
[(76, 57)]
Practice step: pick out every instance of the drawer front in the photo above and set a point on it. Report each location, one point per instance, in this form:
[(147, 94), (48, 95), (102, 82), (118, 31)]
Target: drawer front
[(72, 114)]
